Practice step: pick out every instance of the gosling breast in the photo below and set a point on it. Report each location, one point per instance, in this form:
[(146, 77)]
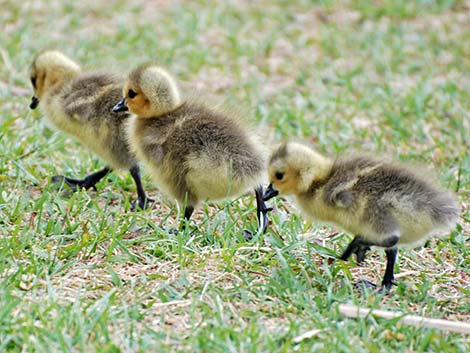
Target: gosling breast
[(198, 153)]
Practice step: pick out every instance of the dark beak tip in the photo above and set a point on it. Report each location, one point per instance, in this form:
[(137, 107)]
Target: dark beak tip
[(34, 102), (270, 193), (120, 107)]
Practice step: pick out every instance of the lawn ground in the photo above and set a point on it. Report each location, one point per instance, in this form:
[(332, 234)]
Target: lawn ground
[(83, 273)]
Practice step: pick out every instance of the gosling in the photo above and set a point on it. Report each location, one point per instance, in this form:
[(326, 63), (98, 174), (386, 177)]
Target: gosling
[(382, 204), (192, 151), (80, 104)]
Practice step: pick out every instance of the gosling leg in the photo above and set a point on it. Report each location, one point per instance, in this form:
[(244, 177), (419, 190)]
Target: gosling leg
[(361, 253), (359, 246), (261, 213), (85, 183), (261, 209), (143, 200), (188, 211), (387, 281)]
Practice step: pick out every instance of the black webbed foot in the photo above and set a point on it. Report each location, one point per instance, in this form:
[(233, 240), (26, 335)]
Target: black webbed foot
[(387, 287), (173, 231), (365, 285), (247, 235), (86, 183), (188, 211), (141, 204), (74, 184)]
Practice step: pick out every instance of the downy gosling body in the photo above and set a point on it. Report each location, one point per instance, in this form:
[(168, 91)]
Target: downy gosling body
[(192, 151), (381, 204), (80, 104)]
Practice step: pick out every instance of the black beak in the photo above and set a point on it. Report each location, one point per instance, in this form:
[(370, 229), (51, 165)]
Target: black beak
[(270, 193), (34, 102), (121, 106)]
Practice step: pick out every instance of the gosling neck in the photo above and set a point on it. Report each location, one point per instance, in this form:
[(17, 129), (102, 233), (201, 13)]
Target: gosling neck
[(314, 176)]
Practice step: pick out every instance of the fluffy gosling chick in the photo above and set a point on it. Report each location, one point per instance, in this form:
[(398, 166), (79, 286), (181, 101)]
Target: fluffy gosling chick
[(81, 105), (192, 151), (381, 203)]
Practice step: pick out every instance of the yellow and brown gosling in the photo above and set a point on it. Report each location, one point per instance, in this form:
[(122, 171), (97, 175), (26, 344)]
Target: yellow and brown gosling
[(193, 151), (381, 204), (80, 104)]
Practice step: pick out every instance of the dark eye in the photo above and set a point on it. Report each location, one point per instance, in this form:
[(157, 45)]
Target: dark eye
[(131, 94), (33, 81), (279, 176)]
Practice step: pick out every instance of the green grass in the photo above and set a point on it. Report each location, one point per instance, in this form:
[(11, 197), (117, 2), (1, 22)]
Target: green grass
[(82, 273)]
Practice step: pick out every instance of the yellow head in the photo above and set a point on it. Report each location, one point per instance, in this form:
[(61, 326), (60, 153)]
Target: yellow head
[(49, 70), (150, 91), (294, 166)]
